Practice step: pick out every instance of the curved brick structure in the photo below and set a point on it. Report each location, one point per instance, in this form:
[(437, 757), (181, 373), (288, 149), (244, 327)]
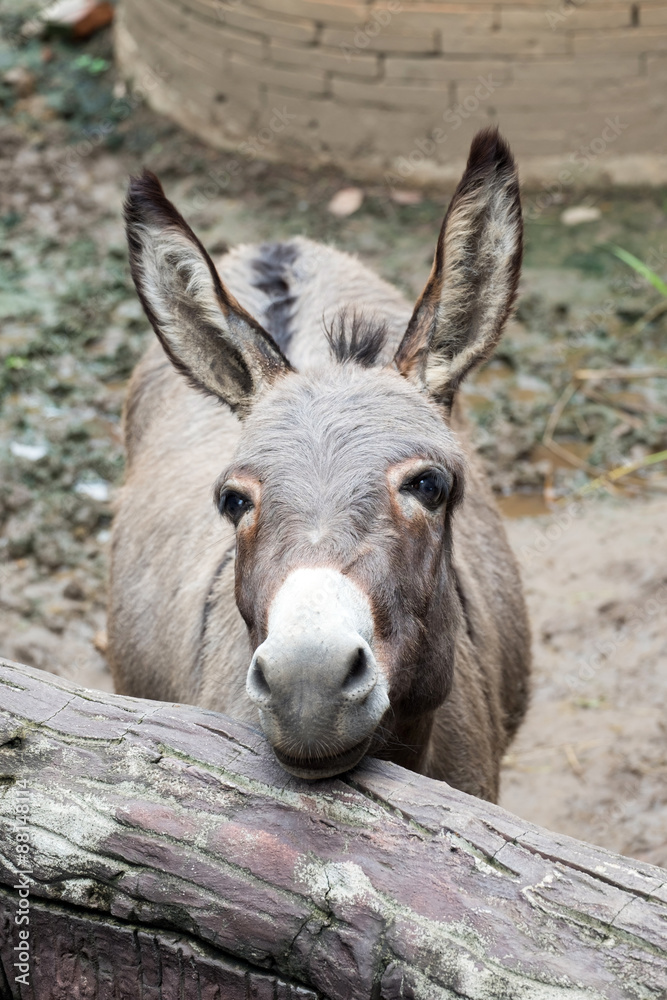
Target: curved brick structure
[(395, 89)]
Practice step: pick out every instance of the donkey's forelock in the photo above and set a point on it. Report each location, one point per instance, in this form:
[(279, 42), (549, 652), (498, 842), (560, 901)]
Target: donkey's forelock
[(355, 337)]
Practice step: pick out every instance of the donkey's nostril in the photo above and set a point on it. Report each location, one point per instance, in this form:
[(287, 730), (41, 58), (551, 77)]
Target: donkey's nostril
[(257, 684), (356, 669), (361, 675)]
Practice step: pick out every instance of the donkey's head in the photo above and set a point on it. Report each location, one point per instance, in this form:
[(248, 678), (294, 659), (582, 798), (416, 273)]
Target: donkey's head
[(344, 485)]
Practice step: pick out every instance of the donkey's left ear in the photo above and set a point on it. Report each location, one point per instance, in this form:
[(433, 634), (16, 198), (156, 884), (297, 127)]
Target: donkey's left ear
[(471, 289)]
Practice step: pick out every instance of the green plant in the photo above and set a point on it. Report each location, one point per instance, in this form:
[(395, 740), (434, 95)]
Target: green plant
[(641, 268), (92, 64)]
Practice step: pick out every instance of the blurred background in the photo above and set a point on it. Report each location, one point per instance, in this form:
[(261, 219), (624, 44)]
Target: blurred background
[(350, 123)]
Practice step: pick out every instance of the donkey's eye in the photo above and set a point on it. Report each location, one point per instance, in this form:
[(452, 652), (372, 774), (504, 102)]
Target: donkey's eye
[(234, 505), (431, 488)]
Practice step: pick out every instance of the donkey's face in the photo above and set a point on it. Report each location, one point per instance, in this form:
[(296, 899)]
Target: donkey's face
[(342, 492), (343, 487)]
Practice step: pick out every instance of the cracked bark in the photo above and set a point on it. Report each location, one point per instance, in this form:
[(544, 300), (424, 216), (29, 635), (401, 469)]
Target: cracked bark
[(171, 857)]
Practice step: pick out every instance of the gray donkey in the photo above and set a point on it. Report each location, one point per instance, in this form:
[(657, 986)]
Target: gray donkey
[(345, 580)]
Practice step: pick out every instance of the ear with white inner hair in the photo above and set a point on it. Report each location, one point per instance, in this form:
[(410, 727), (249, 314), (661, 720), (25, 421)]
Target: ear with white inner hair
[(460, 315), (207, 335)]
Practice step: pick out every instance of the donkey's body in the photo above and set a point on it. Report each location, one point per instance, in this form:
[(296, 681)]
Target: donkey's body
[(191, 644), (449, 630)]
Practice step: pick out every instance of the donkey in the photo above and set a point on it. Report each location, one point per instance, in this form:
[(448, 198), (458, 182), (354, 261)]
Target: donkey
[(351, 587)]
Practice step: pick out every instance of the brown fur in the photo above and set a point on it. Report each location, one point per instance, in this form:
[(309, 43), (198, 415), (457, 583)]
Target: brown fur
[(321, 449)]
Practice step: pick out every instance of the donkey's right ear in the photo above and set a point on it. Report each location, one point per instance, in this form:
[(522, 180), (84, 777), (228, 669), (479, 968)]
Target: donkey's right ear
[(207, 335)]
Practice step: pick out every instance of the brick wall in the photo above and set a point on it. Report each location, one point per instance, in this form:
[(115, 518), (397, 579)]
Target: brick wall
[(396, 88)]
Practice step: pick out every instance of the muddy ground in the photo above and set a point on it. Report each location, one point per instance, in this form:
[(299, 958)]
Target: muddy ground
[(591, 759)]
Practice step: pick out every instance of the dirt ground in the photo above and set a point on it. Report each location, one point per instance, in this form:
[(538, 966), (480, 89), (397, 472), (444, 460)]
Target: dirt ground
[(591, 759)]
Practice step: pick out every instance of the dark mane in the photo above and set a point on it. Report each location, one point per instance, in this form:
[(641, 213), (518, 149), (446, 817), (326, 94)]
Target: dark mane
[(356, 338), (272, 268)]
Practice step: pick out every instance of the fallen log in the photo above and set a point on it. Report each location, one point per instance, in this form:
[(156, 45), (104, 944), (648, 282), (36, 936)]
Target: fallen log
[(161, 852)]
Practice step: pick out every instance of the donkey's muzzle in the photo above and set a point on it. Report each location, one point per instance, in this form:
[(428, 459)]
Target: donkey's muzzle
[(315, 680), (312, 768)]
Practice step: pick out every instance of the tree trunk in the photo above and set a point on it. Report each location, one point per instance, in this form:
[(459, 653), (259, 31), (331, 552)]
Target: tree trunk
[(166, 855)]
